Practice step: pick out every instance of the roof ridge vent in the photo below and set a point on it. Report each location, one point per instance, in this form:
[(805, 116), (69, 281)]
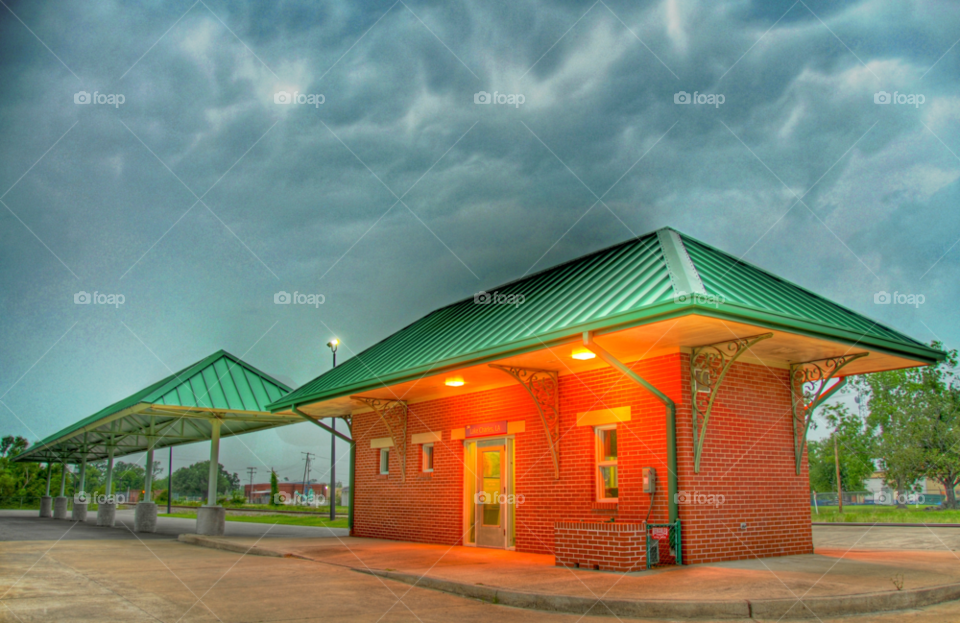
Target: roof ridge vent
[(683, 274)]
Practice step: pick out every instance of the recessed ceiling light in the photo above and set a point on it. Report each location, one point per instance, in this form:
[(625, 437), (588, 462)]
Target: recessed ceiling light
[(583, 353), (454, 381)]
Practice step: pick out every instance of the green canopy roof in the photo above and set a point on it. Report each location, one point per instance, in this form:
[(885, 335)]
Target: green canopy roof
[(179, 407), (649, 278)]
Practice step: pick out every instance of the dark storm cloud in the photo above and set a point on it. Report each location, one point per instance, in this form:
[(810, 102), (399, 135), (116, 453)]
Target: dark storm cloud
[(305, 198)]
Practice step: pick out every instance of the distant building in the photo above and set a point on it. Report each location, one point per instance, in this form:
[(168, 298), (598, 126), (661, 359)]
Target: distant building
[(288, 491)]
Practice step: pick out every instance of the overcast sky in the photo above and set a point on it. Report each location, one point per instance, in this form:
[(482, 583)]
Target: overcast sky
[(199, 196)]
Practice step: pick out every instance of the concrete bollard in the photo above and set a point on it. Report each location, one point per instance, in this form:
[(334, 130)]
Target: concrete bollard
[(60, 507), (46, 506), (211, 520), (145, 517), (106, 514), (79, 511)]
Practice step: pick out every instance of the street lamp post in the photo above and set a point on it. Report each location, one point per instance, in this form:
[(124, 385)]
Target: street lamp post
[(332, 492)]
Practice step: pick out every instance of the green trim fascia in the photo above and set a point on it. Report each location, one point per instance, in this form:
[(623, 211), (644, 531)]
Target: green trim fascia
[(649, 315)]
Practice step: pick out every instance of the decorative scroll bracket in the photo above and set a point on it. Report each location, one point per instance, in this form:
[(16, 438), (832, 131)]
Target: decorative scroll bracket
[(709, 364), (544, 388), (815, 374), (395, 421)]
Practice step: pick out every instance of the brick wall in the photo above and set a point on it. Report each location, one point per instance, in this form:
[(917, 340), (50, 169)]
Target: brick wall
[(747, 458), (601, 546)]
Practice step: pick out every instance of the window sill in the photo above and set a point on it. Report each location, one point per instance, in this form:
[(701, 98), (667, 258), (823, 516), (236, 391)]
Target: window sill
[(605, 507), (383, 476), (425, 476)]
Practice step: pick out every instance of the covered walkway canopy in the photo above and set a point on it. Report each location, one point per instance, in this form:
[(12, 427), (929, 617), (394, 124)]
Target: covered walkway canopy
[(219, 395)]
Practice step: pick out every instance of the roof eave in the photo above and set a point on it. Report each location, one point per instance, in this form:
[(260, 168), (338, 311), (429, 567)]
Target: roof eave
[(655, 313)]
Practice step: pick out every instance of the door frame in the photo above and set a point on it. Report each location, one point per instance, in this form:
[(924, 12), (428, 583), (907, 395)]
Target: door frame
[(471, 478)]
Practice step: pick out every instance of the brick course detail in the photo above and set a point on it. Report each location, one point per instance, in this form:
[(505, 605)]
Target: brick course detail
[(746, 502)]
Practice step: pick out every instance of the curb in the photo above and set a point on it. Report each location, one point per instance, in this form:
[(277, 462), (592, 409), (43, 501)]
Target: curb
[(227, 546), (761, 609)]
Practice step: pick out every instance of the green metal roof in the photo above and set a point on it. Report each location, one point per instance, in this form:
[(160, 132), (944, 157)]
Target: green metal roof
[(630, 283), (217, 384)]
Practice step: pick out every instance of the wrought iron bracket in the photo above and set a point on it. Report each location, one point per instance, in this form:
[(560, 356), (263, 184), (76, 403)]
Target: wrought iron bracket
[(544, 388), (709, 364), (393, 413), (808, 388)]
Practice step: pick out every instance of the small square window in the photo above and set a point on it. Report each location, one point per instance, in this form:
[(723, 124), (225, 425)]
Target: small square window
[(384, 461), (607, 478), (426, 451)]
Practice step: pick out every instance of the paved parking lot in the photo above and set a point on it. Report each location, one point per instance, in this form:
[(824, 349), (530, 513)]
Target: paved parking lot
[(83, 573)]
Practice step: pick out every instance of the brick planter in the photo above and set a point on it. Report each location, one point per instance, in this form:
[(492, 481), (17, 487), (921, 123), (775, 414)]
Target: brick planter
[(602, 546)]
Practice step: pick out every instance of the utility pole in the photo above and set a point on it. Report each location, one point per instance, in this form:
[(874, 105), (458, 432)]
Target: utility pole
[(251, 471), (836, 459), (306, 470)]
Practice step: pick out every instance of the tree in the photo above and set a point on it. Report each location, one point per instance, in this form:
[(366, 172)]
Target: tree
[(193, 480), (274, 488), (856, 451), (915, 414)]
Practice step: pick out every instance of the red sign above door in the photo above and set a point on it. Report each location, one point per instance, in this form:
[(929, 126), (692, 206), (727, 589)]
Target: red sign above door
[(486, 430)]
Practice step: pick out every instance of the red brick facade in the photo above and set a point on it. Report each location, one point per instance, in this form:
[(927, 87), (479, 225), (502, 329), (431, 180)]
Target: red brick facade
[(601, 546), (747, 470)]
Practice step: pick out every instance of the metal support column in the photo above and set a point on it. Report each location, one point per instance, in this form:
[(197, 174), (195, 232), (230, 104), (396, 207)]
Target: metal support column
[(109, 482), (83, 475), (333, 470), (49, 472), (214, 462)]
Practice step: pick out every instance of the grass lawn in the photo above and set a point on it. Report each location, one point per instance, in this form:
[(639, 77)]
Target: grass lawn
[(323, 510), (884, 514), (287, 520)]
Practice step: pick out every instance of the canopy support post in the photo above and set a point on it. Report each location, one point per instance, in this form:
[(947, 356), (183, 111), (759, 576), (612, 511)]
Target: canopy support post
[(817, 375), (709, 364), (396, 425), (544, 388), (214, 474)]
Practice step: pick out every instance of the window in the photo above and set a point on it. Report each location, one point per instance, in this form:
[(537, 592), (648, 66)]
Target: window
[(384, 461), (426, 451), (607, 482)]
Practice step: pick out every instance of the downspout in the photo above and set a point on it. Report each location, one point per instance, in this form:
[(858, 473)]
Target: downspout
[(671, 412), (353, 459)]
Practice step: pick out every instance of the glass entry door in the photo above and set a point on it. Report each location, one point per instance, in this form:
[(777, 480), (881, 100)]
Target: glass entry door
[(491, 498)]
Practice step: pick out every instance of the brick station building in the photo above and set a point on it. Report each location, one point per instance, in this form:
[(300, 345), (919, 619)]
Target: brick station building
[(649, 400)]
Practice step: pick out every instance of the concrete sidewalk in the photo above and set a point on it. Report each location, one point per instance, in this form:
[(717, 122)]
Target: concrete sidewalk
[(832, 582)]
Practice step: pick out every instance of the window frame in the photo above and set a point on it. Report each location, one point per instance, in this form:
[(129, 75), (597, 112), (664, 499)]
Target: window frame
[(599, 462), (423, 458), (384, 454)]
